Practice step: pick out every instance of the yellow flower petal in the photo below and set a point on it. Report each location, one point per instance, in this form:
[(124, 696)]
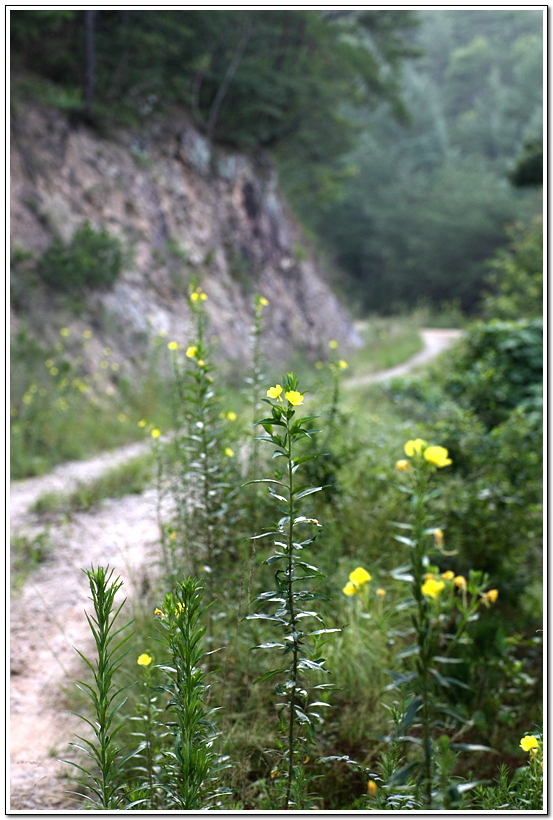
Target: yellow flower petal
[(414, 446), (402, 465), (191, 351), (172, 345), (349, 589), (529, 742), (144, 659), (432, 588), (294, 397), (438, 456), (359, 576), (274, 392), (460, 581), (229, 452)]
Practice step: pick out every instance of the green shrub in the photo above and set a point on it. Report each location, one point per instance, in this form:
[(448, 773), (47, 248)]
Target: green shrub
[(93, 259), (499, 368)]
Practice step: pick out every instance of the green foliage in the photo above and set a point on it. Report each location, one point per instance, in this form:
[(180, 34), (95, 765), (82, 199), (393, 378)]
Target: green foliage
[(516, 278), (190, 767), (93, 259), (106, 786), (499, 368), (27, 552)]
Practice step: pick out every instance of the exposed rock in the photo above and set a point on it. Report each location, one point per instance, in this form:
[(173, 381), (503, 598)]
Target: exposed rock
[(183, 207)]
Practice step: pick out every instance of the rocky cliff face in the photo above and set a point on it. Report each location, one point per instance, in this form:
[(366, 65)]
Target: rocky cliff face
[(184, 208)]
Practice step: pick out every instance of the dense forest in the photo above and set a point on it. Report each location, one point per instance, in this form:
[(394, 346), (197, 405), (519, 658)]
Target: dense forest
[(395, 132)]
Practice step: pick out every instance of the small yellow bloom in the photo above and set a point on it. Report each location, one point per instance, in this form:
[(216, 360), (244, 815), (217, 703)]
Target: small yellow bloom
[(333, 344), (263, 302), (402, 465), (460, 581), (231, 415), (372, 787), (201, 362), (349, 589), (438, 537), (432, 588), (179, 608), (274, 392), (156, 433), (492, 595), (428, 575), (229, 452), (191, 351), (359, 576), (159, 613), (529, 742), (194, 296), (342, 364), (64, 331), (381, 592), (144, 659), (104, 364), (172, 346), (142, 423), (107, 351), (437, 456), (414, 446), (87, 334), (294, 397), (172, 536), (447, 576)]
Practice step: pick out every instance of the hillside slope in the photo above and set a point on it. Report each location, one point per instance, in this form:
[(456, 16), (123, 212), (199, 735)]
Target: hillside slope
[(183, 208)]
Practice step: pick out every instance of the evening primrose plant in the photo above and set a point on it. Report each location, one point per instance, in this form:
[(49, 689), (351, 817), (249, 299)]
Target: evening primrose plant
[(442, 604), (290, 601)]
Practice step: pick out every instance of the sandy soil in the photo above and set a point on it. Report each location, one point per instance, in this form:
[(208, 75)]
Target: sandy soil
[(47, 615)]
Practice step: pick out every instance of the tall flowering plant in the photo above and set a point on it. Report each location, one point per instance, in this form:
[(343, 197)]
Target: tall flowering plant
[(442, 605), (292, 598)]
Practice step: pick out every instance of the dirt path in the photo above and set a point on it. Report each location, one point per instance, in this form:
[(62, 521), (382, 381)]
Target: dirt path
[(47, 614), (435, 341)]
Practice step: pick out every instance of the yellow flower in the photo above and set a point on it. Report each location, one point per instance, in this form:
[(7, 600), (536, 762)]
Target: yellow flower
[(156, 433), (179, 608), (159, 613), (172, 345), (437, 456), (201, 362), (333, 344), (194, 296), (529, 742), (191, 351), (439, 538), (144, 660), (231, 415), (349, 589), (342, 364), (274, 392), (414, 446), (172, 536), (229, 452), (64, 331), (87, 334), (447, 576), (359, 576), (432, 588), (294, 397), (381, 592), (372, 787), (263, 302), (428, 575), (198, 295), (142, 423), (402, 465), (107, 351), (460, 581), (492, 595)]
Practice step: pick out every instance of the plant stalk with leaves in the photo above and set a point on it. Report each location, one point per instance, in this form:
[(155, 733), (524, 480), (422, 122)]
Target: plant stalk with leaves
[(108, 782), (296, 582)]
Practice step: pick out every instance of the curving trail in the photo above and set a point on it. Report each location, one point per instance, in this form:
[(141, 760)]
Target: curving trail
[(47, 615)]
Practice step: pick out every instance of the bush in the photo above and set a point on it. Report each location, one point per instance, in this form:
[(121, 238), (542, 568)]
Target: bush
[(93, 259), (499, 368)]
